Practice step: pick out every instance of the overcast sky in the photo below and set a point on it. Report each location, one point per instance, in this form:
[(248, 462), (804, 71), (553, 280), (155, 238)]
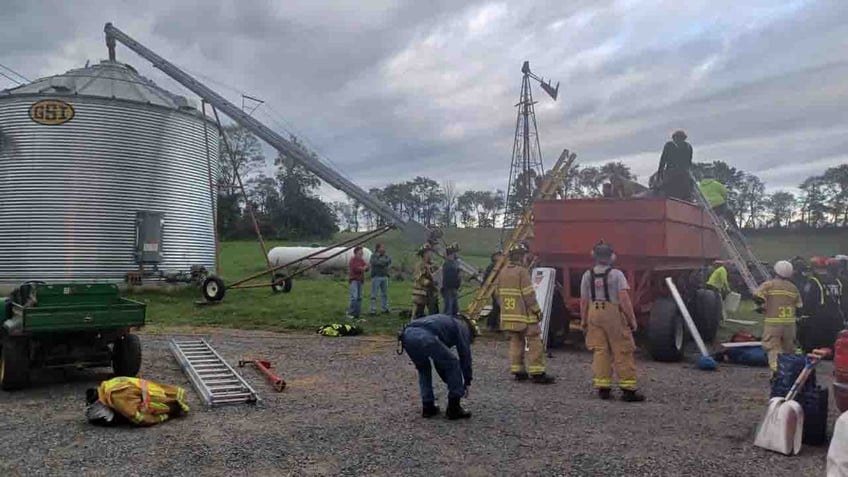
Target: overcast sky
[(389, 90)]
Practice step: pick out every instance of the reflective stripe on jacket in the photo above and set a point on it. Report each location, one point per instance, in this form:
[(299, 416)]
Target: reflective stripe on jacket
[(142, 402), (516, 298), (782, 298)]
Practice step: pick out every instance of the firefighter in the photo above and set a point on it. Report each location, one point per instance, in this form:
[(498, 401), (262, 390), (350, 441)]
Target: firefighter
[(607, 318), (142, 402), (431, 339), (424, 284), (822, 313), (782, 298), (520, 316)]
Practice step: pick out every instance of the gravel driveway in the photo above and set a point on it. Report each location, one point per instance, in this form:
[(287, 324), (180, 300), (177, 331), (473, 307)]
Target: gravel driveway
[(351, 408)]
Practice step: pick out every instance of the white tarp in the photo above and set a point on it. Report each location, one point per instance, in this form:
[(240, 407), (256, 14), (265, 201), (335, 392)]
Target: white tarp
[(544, 280)]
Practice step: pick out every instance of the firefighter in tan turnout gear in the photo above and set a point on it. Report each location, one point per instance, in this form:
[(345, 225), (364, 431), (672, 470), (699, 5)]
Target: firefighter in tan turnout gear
[(520, 316), (606, 316), (782, 298), (424, 288)]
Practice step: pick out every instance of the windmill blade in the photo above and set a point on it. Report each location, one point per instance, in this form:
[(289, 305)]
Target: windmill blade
[(552, 92)]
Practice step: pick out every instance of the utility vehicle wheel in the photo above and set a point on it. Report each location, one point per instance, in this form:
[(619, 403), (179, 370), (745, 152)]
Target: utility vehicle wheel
[(708, 313), (665, 331), (126, 356), (14, 364), (283, 287), (213, 288)]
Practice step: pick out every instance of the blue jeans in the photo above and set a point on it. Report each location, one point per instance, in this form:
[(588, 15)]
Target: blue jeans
[(355, 299), (423, 346), (381, 285), (450, 298)]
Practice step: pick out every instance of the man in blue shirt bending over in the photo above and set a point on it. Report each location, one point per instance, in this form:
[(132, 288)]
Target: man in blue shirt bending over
[(431, 339)]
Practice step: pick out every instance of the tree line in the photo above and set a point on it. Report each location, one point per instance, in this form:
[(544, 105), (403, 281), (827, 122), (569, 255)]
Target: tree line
[(285, 203)]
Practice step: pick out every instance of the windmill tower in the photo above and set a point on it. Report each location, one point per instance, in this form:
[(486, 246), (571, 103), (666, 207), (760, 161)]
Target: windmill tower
[(527, 168)]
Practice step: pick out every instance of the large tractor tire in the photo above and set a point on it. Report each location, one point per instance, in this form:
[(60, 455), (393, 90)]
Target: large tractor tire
[(126, 356), (665, 331), (14, 364), (708, 313)]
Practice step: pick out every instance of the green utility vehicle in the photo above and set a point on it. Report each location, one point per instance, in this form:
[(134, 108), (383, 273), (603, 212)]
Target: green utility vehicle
[(81, 325)]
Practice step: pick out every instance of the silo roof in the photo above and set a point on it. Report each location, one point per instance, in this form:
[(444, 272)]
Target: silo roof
[(108, 79)]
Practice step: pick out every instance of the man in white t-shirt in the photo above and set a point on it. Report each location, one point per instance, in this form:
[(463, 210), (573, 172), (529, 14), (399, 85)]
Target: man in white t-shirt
[(607, 317)]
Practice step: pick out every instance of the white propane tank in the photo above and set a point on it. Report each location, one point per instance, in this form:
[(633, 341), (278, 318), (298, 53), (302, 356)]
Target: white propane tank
[(282, 255)]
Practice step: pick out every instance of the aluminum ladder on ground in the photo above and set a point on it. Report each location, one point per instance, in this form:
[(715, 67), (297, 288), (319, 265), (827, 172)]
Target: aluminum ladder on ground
[(210, 375), (730, 246)]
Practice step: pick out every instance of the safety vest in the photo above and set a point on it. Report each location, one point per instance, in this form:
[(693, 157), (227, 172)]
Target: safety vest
[(143, 402), (718, 279), (516, 298), (828, 290), (338, 329), (782, 298), (714, 191)]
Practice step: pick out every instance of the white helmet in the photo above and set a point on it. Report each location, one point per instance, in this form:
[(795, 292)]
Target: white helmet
[(783, 269)]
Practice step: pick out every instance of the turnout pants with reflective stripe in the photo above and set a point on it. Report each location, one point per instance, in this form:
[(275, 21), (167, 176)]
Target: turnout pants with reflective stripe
[(533, 335), (778, 337), (612, 345), (422, 346)]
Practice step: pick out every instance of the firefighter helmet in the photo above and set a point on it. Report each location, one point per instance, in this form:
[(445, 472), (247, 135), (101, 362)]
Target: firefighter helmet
[(603, 251), (783, 269), (818, 262), (424, 248), (452, 248)]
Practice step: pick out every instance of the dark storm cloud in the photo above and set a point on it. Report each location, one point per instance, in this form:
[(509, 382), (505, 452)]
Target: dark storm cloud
[(390, 90)]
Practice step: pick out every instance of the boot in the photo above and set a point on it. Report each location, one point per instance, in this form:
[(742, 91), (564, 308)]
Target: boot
[(542, 378), (430, 410), (455, 411), (521, 376), (604, 393), (631, 395)]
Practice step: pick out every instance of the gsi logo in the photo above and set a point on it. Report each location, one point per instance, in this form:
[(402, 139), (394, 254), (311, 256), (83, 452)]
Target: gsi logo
[(51, 112)]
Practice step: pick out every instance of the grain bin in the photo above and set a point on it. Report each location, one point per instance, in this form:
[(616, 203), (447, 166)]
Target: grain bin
[(86, 153)]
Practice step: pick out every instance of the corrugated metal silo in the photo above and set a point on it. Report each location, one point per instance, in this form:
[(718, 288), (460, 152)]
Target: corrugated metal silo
[(80, 155)]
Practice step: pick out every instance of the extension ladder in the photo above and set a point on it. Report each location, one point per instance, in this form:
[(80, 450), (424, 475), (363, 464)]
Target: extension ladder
[(730, 246), (210, 375), (547, 190)]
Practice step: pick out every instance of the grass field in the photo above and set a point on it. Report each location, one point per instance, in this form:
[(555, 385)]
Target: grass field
[(322, 299)]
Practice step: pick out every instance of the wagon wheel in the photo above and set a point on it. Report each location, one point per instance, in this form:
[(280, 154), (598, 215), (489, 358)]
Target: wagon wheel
[(708, 313), (213, 289), (281, 287), (665, 331)]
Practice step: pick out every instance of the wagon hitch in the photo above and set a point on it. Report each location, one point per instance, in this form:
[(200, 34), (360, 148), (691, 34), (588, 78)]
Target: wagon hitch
[(265, 366)]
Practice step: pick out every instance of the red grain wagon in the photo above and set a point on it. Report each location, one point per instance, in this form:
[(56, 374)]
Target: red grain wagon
[(653, 238)]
